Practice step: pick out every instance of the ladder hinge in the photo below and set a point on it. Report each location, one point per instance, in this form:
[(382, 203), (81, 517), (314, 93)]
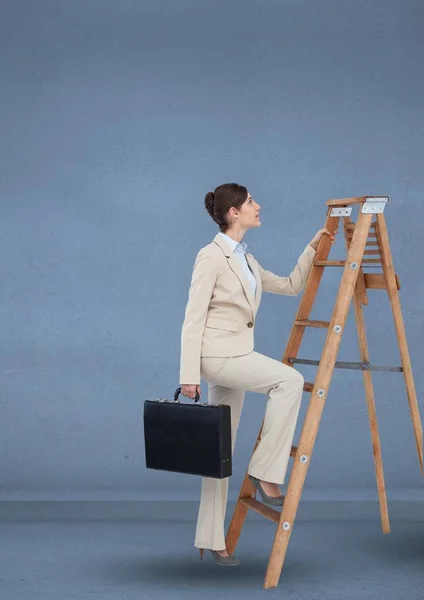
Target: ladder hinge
[(341, 211), (374, 205)]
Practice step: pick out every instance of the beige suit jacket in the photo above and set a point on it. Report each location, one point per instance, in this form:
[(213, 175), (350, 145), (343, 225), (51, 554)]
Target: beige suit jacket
[(221, 310)]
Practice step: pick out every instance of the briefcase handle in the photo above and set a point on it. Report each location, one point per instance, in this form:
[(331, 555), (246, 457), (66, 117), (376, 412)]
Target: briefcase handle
[(178, 392)]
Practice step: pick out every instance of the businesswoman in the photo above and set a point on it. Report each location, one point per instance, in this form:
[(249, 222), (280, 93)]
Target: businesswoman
[(217, 345)]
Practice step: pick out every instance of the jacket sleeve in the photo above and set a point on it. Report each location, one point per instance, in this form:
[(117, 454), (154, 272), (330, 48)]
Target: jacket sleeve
[(295, 282), (203, 280)]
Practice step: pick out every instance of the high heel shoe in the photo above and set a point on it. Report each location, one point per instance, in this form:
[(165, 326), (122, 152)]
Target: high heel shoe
[(223, 561), (270, 500)]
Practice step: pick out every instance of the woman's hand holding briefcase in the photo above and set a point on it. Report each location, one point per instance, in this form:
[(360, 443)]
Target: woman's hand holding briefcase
[(190, 391)]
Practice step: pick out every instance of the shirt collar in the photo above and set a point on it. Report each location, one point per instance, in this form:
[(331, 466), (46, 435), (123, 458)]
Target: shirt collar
[(234, 245)]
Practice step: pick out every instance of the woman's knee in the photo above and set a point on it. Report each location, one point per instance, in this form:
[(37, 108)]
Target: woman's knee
[(296, 380), (300, 380)]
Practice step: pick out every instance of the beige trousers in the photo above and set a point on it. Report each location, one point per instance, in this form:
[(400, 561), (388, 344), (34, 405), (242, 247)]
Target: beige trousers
[(228, 379)]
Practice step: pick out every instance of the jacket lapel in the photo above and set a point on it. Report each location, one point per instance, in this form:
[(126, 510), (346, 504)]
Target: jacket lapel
[(234, 264)]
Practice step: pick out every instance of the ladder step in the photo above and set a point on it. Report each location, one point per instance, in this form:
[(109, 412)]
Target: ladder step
[(293, 451), (308, 323), (341, 263), (353, 225), (262, 509), (370, 242), (308, 387), (376, 281), (329, 263)]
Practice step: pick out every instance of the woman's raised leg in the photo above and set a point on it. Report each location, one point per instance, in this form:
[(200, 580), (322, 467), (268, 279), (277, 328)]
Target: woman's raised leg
[(283, 386)]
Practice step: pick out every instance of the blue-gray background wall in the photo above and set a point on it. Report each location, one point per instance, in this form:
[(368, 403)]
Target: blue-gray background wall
[(116, 119)]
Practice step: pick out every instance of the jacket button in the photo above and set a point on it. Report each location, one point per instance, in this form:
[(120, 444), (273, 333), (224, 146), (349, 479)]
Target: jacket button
[(250, 324)]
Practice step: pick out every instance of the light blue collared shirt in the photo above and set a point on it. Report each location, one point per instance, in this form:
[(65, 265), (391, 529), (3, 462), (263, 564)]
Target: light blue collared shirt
[(239, 249)]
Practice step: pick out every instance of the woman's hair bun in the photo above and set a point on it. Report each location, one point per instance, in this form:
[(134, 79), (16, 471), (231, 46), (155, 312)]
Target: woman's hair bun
[(209, 202)]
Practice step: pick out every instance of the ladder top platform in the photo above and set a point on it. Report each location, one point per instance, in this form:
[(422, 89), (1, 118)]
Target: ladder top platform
[(350, 201)]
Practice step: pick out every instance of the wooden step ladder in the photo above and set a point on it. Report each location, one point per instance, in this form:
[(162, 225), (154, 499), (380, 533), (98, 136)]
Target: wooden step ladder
[(363, 238)]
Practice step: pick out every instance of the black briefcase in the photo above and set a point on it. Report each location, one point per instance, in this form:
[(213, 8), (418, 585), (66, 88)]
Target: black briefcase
[(188, 438)]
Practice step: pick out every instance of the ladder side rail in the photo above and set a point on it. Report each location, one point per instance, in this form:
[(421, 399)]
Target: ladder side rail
[(392, 291), (370, 399), (316, 405)]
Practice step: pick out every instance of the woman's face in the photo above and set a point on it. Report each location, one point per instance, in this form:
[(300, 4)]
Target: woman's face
[(249, 213)]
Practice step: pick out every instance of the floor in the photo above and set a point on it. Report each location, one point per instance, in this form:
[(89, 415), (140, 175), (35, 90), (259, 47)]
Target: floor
[(123, 560)]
